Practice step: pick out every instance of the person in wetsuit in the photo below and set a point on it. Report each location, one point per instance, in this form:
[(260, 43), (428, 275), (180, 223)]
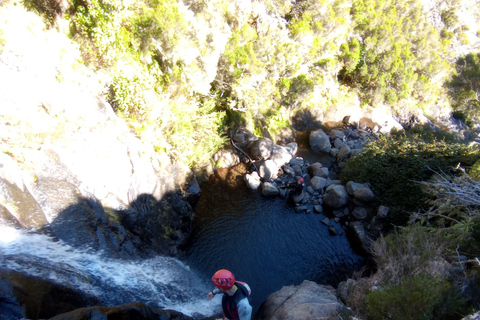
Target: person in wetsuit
[(235, 302)]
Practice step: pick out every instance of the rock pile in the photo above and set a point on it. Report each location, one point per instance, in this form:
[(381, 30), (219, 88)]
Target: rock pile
[(277, 168)]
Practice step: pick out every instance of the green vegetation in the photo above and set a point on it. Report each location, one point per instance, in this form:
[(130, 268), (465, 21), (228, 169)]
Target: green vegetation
[(465, 88), (394, 165), (399, 60)]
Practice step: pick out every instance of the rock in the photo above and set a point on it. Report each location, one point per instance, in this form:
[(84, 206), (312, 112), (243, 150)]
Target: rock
[(343, 153), (261, 149), (355, 152), (338, 143), (317, 169), (336, 197), (318, 183), (282, 155), (225, 159), (299, 197), (352, 186), (318, 208), (135, 310), (288, 170), (35, 298), (310, 190), (337, 134), (300, 209), (297, 161), (364, 194), (326, 221), (320, 142), (344, 288), (334, 152), (475, 316), (358, 232), (359, 213), (308, 301), (269, 189), (292, 148), (383, 212), (253, 180), (298, 170), (268, 170), (332, 231)]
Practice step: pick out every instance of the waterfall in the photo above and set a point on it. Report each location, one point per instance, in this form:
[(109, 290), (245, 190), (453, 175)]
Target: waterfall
[(162, 281)]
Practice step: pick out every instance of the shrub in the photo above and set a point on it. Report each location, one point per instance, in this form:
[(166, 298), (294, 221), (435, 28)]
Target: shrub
[(417, 297), (392, 165), (464, 86), (396, 56)]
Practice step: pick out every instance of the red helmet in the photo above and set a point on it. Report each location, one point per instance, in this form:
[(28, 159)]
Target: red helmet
[(300, 180), (223, 279)]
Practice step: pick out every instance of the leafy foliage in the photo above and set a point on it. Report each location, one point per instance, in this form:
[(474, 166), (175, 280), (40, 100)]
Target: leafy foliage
[(400, 52), (465, 87), (417, 297), (393, 165)]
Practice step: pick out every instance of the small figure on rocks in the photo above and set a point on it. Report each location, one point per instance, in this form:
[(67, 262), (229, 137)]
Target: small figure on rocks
[(295, 188), (235, 301)]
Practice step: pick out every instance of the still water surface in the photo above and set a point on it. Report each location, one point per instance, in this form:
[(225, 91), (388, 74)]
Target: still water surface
[(263, 241)]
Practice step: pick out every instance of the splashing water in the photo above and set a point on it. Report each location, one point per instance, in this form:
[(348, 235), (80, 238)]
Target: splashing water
[(162, 281)]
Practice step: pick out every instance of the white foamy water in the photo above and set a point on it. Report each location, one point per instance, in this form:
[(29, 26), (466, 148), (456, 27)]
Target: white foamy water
[(162, 281)]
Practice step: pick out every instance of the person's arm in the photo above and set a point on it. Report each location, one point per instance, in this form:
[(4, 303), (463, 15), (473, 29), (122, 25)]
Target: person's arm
[(244, 309), (212, 293)]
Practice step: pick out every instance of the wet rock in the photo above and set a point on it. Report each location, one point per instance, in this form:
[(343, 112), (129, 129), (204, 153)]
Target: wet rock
[(269, 189), (136, 310), (336, 197), (326, 221), (37, 298), (317, 208), (308, 301), (320, 142)]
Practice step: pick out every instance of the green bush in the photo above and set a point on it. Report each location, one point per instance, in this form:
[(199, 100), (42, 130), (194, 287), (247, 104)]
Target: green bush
[(416, 298), (464, 87), (394, 164), (396, 60)]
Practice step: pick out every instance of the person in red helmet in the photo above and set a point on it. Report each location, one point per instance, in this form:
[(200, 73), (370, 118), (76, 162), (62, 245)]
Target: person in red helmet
[(235, 301)]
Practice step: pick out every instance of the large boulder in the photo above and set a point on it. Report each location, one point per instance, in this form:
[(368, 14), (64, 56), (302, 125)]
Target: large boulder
[(268, 169), (269, 189), (336, 196), (317, 169), (308, 301), (261, 149), (130, 311), (320, 142)]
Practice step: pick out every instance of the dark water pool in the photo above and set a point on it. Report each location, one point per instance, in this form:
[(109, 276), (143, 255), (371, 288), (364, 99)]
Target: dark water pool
[(263, 241)]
